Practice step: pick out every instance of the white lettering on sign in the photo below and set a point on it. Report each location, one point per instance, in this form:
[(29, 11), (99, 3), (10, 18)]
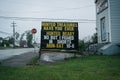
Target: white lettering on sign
[(68, 41), (70, 45), (50, 41), (60, 37), (68, 37), (53, 37), (46, 37), (61, 41)]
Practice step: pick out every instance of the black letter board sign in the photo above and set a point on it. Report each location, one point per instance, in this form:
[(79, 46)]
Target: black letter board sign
[(59, 35)]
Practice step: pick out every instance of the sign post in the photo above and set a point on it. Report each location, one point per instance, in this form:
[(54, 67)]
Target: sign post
[(34, 31)]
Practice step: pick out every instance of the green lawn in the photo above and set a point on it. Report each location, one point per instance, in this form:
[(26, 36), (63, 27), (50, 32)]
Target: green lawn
[(83, 68)]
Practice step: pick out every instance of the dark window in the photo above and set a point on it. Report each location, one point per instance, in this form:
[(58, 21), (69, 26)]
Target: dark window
[(103, 29)]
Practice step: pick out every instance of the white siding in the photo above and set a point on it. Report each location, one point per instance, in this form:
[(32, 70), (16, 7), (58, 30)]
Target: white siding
[(115, 20), (98, 24)]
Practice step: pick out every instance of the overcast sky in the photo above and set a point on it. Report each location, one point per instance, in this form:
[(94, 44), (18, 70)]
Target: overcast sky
[(52, 9)]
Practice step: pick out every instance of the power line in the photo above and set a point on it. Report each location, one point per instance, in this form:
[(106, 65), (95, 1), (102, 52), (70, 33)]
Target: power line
[(5, 33), (45, 19), (67, 9)]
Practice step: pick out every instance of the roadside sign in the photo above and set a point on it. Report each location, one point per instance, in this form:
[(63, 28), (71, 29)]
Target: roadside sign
[(34, 30), (59, 35)]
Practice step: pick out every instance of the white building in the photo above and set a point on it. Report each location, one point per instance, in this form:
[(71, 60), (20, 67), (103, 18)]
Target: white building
[(108, 25)]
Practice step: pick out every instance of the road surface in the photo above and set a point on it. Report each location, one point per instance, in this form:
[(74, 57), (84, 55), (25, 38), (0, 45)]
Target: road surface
[(8, 53)]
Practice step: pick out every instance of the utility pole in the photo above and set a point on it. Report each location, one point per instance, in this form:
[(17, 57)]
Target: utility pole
[(13, 25)]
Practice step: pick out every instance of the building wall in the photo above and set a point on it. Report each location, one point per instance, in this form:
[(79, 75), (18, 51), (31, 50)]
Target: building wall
[(103, 14), (112, 25), (115, 20)]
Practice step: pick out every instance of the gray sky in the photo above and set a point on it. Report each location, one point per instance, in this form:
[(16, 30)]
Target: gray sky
[(53, 9)]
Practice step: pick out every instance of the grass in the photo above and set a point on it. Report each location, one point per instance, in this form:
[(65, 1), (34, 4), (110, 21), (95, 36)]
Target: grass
[(34, 61), (83, 68)]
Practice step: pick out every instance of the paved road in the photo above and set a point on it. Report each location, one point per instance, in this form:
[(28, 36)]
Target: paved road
[(19, 60), (20, 57), (6, 54)]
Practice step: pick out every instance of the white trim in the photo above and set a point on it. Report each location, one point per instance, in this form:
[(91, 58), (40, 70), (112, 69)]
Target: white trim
[(97, 23), (109, 16)]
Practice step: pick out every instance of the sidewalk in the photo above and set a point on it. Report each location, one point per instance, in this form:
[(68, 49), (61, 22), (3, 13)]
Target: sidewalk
[(19, 60)]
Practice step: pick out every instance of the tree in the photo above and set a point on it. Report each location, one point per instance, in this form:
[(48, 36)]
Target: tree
[(81, 45), (94, 38), (1, 40), (5, 43), (17, 35), (11, 40), (21, 40), (29, 38)]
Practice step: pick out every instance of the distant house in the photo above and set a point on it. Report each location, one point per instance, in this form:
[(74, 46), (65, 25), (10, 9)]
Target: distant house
[(1, 40), (108, 26), (23, 43)]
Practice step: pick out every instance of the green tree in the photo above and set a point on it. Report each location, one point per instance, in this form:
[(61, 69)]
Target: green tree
[(29, 38), (94, 38), (11, 40), (81, 45), (1, 40), (17, 35), (6, 42), (22, 42)]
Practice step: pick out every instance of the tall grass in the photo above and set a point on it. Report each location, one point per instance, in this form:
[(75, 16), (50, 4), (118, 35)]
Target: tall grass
[(83, 68)]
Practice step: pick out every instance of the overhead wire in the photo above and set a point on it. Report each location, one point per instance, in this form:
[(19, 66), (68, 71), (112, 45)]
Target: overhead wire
[(47, 19), (5, 33), (52, 19)]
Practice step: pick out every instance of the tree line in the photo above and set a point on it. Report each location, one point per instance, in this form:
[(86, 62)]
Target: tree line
[(23, 40)]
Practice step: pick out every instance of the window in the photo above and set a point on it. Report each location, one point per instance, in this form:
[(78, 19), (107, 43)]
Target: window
[(101, 5), (103, 29)]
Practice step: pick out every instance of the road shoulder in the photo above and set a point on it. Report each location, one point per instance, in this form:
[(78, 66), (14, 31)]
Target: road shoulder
[(19, 60)]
